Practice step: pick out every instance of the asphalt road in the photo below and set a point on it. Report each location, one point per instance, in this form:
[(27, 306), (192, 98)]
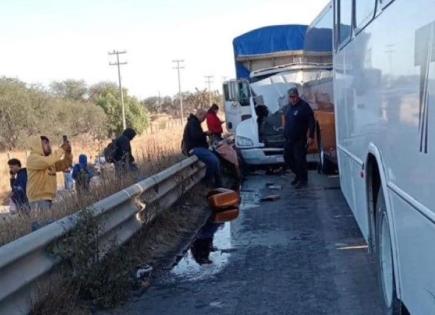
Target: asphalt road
[(301, 254)]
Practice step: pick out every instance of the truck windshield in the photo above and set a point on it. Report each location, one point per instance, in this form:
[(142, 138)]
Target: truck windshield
[(244, 93)]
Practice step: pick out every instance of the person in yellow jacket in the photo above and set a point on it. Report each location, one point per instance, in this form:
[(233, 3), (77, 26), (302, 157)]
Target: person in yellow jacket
[(42, 166)]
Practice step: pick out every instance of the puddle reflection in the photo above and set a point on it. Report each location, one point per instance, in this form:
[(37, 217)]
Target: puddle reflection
[(208, 255)]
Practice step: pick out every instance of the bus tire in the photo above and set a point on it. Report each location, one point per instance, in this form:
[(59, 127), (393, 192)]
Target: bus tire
[(385, 262)]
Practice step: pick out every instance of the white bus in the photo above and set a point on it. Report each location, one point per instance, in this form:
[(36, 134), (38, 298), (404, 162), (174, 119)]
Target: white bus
[(384, 88)]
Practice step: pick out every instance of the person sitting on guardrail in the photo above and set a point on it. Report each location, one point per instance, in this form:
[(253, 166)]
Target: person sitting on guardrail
[(82, 174), (18, 198), (42, 166), (195, 143)]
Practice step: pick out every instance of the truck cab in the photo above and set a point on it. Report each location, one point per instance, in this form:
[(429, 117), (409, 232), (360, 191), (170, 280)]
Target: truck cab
[(257, 126)]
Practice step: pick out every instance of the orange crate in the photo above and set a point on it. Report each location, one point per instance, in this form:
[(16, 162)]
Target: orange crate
[(224, 200), (226, 216)]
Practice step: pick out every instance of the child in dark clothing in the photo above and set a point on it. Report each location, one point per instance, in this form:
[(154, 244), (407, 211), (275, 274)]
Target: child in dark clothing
[(82, 174), (18, 181)]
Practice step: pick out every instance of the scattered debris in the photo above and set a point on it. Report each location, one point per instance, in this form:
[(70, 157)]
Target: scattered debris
[(258, 172), (273, 186), (143, 271), (143, 275), (247, 190), (271, 198)]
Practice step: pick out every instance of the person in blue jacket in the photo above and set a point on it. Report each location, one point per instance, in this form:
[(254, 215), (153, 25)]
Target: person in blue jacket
[(82, 174), (18, 182)]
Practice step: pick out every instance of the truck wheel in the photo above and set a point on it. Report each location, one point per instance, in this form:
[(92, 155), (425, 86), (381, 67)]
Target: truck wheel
[(387, 283)]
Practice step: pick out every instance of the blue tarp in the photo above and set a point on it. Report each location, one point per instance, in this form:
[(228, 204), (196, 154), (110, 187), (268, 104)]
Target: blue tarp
[(266, 40)]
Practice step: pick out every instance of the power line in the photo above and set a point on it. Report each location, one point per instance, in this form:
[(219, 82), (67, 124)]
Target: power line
[(119, 64), (209, 81), (179, 67)]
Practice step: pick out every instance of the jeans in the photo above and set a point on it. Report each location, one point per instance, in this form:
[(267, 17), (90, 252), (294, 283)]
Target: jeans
[(295, 156), (212, 164)]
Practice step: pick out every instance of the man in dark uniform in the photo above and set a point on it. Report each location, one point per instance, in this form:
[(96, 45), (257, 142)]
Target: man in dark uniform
[(299, 119)]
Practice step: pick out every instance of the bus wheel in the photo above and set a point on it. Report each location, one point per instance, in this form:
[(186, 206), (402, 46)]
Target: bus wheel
[(392, 305)]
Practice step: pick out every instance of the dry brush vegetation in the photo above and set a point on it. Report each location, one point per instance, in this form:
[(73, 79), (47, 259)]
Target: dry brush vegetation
[(154, 152)]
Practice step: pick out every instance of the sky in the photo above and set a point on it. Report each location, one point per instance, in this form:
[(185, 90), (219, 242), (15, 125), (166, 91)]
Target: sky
[(46, 40)]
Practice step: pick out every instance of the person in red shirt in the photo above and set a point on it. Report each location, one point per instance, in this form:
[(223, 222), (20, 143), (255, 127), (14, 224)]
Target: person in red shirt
[(214, 124)]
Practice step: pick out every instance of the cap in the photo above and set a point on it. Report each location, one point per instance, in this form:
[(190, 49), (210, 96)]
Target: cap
[(293, 92)]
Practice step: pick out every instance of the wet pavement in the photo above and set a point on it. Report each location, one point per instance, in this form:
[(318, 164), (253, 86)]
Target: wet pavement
[(301, 254)]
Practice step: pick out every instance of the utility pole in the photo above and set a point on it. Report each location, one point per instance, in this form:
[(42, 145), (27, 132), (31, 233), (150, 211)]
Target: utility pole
[(209, 81), (178, 67), (159, 104), (119, 64)]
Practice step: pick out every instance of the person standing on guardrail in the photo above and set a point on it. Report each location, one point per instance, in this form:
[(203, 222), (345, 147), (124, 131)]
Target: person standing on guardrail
[(195, 143), (122, 156), (299, 120), (214, 124), (42, 167), (18, 198)]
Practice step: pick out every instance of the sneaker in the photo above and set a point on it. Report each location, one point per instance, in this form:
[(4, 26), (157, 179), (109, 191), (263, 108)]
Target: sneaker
[(301, 184), (295, 181)]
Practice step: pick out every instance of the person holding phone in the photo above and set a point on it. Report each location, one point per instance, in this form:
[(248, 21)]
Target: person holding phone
[(42, 166)]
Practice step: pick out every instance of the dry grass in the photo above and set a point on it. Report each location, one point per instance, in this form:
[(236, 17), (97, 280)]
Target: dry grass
[(110, 282), (155, 140), (153, 153)]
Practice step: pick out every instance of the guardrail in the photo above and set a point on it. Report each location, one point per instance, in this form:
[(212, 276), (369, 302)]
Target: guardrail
[(26, 261)]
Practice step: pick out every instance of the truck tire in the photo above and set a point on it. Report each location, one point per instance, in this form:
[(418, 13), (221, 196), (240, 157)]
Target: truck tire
[(385, 263)]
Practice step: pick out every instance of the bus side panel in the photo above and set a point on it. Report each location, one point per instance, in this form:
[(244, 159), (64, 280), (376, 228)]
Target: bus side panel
[(385, 91), (351, 147), (415, 236)]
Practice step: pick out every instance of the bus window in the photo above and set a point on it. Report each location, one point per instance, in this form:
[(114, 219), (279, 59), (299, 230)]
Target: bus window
[(364, 12), (345, 23)]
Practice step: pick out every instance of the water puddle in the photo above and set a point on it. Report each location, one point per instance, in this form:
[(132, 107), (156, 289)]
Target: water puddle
[(208, 254)]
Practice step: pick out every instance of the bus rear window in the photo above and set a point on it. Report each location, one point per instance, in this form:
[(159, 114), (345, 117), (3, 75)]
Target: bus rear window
[(364, 11), (345, 23)]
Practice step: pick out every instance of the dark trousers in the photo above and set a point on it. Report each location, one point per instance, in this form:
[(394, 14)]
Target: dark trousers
[(295, 156)]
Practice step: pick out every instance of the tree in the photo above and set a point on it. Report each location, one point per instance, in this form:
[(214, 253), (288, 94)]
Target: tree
[(75, 90), (106, 95), (159, 105), (30, 110), (16, 112), (198, 99)]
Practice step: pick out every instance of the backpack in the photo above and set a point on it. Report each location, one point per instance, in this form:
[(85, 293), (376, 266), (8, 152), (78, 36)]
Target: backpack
[(110, 151)]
